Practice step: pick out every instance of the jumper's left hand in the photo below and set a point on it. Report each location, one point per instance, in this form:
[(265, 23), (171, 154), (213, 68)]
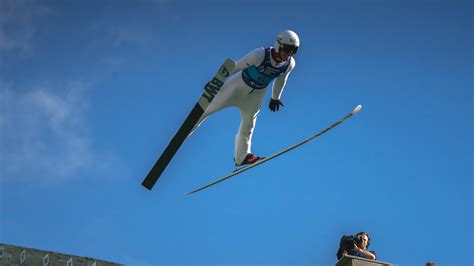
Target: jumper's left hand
[(275, 105)]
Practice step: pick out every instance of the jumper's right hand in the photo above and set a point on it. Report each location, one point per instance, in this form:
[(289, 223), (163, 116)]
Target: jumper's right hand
[(275, 105)]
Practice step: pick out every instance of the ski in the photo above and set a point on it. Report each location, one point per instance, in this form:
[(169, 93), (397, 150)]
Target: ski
[(266, 159), (210, 91)]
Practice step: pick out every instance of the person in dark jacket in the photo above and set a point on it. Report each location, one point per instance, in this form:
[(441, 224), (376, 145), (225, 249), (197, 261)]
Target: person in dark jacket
[(356, 246)]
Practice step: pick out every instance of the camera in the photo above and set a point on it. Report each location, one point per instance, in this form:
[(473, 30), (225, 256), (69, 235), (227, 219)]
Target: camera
[(348, 245)]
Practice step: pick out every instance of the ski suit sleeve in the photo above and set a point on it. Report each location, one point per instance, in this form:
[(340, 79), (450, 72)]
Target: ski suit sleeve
[(280, 82), (253, 58)]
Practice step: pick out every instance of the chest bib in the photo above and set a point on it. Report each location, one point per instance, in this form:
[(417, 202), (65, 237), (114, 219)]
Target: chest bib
[(258, 77)]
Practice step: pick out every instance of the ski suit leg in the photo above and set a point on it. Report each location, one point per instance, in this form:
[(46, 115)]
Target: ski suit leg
[(249, 110), (224, 98)]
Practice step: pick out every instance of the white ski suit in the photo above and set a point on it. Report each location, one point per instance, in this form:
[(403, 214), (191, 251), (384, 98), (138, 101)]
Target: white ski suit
[(245, 89)]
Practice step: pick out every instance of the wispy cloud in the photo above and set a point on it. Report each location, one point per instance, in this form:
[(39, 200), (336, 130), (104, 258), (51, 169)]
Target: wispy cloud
[(44, 134), (129, 35), (126, 33), (120, 40), (17, 24)]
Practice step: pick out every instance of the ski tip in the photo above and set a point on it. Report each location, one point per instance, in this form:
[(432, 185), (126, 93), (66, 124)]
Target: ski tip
[(357, 109)]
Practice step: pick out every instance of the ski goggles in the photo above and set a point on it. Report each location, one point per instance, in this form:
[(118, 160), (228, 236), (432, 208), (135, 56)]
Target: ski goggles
[(289, 48)]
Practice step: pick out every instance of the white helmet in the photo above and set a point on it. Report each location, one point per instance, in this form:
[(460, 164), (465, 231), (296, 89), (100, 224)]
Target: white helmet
[(287, 41)]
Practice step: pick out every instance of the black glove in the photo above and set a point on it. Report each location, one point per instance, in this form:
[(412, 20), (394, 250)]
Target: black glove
[(275, 105)]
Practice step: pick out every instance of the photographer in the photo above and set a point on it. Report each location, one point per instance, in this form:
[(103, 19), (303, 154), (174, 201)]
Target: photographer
[(356, 246)]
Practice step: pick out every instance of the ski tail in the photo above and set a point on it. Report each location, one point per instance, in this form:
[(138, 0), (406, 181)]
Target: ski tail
[(210, 91), (172, 147)]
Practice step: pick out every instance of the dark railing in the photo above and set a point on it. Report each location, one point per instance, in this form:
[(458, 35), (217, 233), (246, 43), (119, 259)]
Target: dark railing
[(348, 260)]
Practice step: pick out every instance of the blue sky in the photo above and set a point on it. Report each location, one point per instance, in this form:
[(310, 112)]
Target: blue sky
[(92, 91)]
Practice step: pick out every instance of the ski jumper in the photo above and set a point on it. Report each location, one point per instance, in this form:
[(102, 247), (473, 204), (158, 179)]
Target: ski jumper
[(245, 90)]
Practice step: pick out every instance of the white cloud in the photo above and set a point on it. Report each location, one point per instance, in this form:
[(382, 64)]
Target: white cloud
[(126, 33), (44, 134), (129, 35), (17, 24)]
